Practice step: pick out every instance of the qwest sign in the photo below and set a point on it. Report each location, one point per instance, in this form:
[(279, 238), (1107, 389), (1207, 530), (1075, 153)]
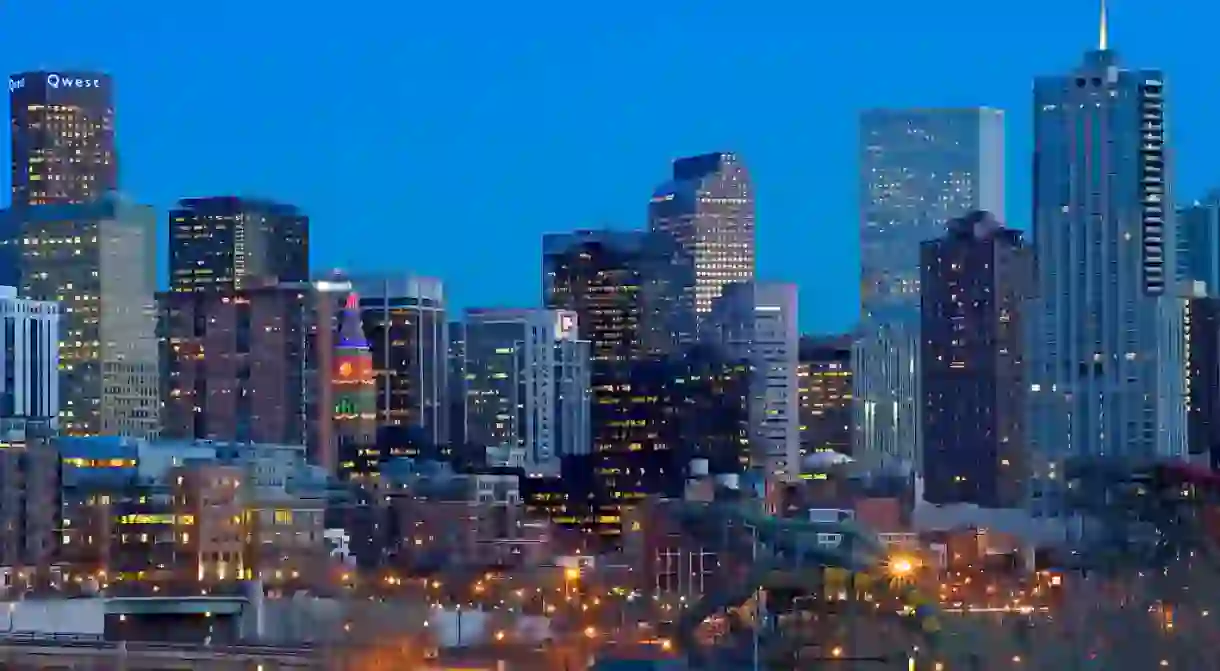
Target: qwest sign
[(59, 81)]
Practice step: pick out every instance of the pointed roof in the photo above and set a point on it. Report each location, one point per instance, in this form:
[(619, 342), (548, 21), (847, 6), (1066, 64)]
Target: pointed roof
[(1103, 35), (351, 331)]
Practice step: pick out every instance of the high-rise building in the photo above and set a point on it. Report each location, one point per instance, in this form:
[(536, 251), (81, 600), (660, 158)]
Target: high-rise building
[(98, 261), (353, 382), (235, 364), (29, 358), (973, 287), (1202, 328), (1198, 253), (919, 168), (527, 383), (227, 242), (405, 324), (1106, 366), (62, 126), (757, 322), (824, 384), (624, 287), (708, 207)]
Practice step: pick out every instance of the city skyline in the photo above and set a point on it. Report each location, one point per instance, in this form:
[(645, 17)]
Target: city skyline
[(800, 151)]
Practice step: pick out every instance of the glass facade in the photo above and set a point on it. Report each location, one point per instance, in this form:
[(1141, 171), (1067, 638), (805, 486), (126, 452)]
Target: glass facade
[(98, 261), (229, 243), (708, 208), (919, 168), (405, 324), (1106, 341)]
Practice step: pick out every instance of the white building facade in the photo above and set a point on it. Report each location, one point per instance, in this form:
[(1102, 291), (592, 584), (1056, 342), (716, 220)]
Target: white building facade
[(29, 357), (757, 321), (527, 383)]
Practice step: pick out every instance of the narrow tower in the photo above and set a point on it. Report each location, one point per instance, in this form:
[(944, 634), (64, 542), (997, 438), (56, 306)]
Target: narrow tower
[(354, 383)]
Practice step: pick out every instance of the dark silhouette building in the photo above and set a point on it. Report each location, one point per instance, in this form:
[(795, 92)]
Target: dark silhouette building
[(62, 125), (227, 242), (974, 280), (824, 382), (1203, 379), (628, 291)]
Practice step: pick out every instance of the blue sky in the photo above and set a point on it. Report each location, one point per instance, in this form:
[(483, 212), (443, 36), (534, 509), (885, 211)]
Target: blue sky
[(446, 138)]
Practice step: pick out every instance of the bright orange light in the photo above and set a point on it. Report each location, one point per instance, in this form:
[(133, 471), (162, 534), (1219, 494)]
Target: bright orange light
[(901, 566), (591, 632), (572, 574), (836, 652)]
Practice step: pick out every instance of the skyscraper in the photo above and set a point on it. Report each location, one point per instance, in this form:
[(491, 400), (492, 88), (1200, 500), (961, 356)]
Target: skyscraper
[(62, 126), (757, 322), (226, 242), (624, 287), (234, 364), (1106, 361), (708, 207), (404, 321), (98, 261), (918, 169), (527, 383), (974, 283)]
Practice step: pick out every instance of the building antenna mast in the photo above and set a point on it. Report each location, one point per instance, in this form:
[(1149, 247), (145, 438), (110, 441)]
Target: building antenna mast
[(1103, 37)]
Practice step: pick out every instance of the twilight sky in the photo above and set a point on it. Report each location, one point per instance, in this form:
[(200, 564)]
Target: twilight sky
[(447, 137)]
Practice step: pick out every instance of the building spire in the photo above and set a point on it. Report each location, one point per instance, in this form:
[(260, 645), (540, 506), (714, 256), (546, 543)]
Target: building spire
[(1103, 37)]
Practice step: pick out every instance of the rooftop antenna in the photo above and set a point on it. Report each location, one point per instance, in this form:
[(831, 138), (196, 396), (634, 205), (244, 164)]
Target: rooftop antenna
[(1103, 37)]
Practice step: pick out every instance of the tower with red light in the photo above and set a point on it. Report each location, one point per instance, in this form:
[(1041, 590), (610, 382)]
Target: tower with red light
[(353, 381)]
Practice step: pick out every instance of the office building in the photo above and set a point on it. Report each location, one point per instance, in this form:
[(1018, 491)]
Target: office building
[(527, 383), (624, 287), (1106, 365), (707, 206), (1202, 330), (29, 495), (692, 405), (235, 364), (823, 378), (405, 324), (919, 168), (98, 262), (1198, 253), (232, 243), (63, 148), (757, 322), (29, 358), (975, 281)]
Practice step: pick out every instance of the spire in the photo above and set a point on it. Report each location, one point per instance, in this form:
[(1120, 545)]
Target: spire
[(351, 331), (1103, 37)]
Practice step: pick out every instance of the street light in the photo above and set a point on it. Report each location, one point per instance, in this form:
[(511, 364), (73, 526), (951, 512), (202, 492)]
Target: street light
[(901, 566)]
